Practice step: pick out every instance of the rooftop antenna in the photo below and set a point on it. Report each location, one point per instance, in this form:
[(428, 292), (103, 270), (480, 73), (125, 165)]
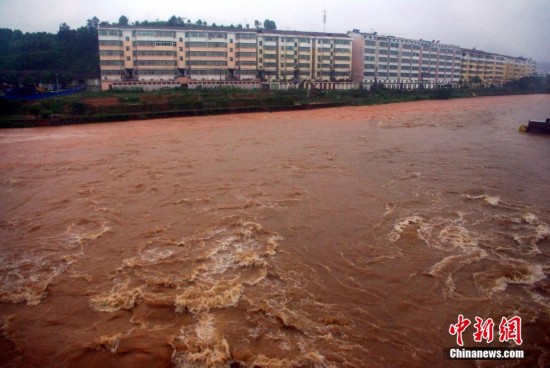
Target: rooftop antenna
[(324, 20)]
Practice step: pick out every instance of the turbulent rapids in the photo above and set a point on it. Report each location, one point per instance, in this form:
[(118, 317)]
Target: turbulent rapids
[(344, 237)]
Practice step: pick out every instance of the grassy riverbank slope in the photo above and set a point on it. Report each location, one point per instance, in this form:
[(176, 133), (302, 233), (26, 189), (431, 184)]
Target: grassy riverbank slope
[(90, 107)]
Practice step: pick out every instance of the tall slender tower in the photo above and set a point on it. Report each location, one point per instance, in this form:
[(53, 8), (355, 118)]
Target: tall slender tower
[(324, 20)]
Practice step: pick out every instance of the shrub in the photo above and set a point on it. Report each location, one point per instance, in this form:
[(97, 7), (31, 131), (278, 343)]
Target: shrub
[(78, 108), (44, 114)]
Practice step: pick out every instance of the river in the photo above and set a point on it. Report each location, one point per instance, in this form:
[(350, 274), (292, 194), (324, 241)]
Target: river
[(342, 237)]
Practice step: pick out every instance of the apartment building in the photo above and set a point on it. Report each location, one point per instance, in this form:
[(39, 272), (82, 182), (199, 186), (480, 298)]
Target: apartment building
[(400, 63), (486, 69), (480, 67), (518, 67), (223, 55), (135, 55), (163, 54), (307, 56)]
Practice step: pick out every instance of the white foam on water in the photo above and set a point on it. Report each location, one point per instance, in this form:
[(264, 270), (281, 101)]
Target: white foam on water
[(27, 280), (150, 256), (203, 298), (402, 225), (307, 359), (532, 233), (207, 270), (514, 272), (529, 218), (85, 231), (542, 232), (450, 265), (109, 343), (459, 237), (200, 344), (492, 200), (121, 296)]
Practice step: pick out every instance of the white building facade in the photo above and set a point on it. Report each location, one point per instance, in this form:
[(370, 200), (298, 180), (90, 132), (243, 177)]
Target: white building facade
[(399, 63)]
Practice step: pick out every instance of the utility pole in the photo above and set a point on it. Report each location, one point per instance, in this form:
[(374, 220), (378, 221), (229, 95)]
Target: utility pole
[(324, 20)]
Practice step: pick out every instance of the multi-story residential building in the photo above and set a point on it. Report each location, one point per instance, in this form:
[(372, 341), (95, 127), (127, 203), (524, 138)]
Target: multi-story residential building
[(400, 63), (479, 67), (163, 54), (486, 69), (147, 55), (215, 54), (310, 56), (518, 67)]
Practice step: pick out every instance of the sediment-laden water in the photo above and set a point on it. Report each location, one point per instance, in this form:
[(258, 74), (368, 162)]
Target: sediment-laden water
[(346, 237)]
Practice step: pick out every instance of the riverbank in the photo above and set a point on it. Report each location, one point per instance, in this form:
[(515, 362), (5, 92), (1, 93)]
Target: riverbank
[(135, 105)]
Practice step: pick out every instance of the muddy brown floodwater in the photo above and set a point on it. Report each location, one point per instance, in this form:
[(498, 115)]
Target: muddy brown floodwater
[(345, 237)]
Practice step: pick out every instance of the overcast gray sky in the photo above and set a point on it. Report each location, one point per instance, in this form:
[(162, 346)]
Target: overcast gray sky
[(510, 27)]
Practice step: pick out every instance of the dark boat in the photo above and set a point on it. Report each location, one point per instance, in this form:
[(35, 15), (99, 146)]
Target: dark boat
[(540, 127)]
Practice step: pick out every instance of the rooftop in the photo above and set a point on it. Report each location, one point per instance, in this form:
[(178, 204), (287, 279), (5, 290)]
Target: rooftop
[(302, 33), (416, 41), (195, 28), (480, 52)]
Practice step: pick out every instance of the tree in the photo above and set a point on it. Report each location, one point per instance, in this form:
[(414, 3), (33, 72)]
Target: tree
[(123, 20), (176, 21), (476, 79), (199, 22), (92, 24), (270, 24), (173, 21), (69, 54), (64, 27), (257, 24)]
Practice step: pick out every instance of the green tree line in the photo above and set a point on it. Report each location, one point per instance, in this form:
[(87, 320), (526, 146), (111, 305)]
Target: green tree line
[(27, 58), (176, 21)]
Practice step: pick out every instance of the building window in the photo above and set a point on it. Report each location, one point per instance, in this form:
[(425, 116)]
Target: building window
[(128, 58), (127, 48), (231, 49), (127, 38), (230, 40), (230, 59), (181, 39)]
